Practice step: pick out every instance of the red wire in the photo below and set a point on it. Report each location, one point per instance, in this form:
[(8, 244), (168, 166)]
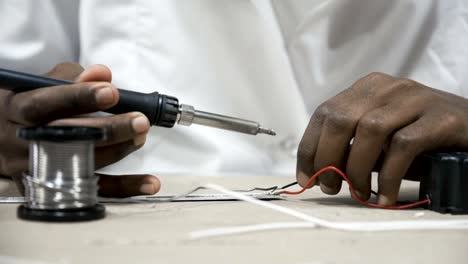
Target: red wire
[(353, 191)]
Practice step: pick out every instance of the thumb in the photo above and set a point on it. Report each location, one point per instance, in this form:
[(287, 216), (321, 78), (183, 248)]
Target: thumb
[(65, 71), (120, 186), (95, 73)]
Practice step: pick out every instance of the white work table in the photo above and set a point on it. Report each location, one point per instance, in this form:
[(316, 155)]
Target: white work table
[(142, 233)]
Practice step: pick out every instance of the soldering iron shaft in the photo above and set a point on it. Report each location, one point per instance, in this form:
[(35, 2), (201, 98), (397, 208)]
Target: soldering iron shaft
[(188, 115)]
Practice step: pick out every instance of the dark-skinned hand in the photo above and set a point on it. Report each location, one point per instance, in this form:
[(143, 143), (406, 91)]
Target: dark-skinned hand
[(68, 105), (387, 117)]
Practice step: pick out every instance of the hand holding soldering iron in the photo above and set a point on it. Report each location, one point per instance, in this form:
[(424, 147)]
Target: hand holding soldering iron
[(69, 105)]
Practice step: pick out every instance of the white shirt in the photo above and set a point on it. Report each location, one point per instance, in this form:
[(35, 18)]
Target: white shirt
[(269, 61)]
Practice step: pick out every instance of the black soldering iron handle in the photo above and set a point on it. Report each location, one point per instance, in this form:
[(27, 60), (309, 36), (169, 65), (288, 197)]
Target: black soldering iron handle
[(161, 110)]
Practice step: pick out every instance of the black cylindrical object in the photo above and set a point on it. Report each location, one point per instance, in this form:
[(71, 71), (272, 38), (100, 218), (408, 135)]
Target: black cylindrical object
[(444, 180)]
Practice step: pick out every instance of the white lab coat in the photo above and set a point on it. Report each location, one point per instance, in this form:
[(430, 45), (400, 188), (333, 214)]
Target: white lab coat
[(270, 61)]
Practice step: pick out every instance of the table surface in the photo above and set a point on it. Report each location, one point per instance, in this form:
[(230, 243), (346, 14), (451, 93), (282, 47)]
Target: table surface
[(144, 233)]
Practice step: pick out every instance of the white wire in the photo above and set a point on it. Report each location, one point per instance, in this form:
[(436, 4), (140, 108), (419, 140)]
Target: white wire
[(375, 226), (271, 206), (233, 230), (313, 222)]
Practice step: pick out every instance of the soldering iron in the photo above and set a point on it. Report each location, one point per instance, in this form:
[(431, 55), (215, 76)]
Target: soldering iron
[(161, 110)]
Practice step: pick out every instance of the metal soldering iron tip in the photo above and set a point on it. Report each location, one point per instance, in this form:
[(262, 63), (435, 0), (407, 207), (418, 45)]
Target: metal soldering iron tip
[(268, 131), (188, 116)]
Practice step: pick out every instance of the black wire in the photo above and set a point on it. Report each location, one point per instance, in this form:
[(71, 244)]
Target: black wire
[(288, 185), (259, 189), (271, 189)]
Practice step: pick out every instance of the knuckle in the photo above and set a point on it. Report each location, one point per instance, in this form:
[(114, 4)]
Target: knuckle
[(404, 142), (452, 121), (371, 80), (323, 111), (376, 75), (405, 83), (373, 77), (341, 120), (373, 125), (334, 116)]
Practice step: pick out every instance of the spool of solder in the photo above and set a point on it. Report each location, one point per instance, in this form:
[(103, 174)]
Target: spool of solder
[(60, 185)]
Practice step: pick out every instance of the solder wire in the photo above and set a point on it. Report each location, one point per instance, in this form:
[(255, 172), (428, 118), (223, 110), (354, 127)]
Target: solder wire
[(61, 175)]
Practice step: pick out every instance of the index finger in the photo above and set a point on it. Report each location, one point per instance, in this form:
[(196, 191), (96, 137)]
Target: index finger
[(307, 149), (46, 104)]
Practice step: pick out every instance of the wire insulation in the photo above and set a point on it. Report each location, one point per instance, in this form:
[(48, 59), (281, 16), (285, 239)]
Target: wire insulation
[(310, 182)]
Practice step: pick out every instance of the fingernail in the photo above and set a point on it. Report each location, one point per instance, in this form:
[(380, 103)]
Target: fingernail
[(302, 179), (329, 190), (139, 140), (105, 96), (140, 124), (148, 188), (384, 200), (361, 195)]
